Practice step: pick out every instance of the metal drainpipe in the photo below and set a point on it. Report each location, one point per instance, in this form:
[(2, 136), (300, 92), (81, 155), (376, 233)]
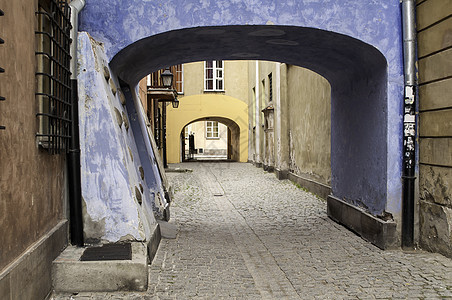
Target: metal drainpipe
[(165, 160), (73, 157), (409, 122)]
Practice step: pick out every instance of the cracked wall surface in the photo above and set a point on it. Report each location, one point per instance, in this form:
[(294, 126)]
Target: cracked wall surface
[(355, 45), (118, 201)]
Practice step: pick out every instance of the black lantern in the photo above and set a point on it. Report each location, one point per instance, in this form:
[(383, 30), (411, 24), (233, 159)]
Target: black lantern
[(175, 103), (167, 78)]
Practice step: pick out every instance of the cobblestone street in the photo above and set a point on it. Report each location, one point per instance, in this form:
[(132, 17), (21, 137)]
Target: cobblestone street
[(243, 234)]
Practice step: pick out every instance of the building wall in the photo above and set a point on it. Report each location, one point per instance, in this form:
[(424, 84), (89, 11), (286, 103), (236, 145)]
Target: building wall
[(227, 110), (434, 25), (309, 101), (32, 182), (302, 136), (195, 104), (216, 146), (235, 79), (142, 92)]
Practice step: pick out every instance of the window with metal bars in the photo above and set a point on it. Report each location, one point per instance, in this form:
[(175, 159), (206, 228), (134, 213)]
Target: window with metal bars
[(53, 91)]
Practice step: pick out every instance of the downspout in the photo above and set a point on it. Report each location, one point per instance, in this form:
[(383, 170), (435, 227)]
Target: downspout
[(258, 122), (409, 122), (73, 157), (165, 160), (278, 115)]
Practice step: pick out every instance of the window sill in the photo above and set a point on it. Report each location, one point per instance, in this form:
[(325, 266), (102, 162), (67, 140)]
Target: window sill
[(214, 91)]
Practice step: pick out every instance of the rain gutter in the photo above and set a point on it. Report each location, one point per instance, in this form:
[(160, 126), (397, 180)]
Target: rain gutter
[(73, 156)]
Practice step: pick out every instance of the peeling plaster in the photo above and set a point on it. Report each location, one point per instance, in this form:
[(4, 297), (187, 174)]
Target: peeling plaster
[(377, 23), (111, 210)]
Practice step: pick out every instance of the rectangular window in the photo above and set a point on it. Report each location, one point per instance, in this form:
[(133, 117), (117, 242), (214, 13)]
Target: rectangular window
[(179, 78), (214, 76), (187, 131), (212, 130), (53, 90)]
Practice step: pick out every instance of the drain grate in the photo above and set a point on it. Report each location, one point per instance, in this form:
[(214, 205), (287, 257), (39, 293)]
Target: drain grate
[(108, 252)]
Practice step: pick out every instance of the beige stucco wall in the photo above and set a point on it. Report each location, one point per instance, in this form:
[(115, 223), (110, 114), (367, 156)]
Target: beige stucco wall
[(235, 79), (435, 124), (229, 105), (232, 111), (302, 134), (199, 129), (31, 181), (309, 100)]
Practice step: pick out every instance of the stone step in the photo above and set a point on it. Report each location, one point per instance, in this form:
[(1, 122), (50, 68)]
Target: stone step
[(71, 275)]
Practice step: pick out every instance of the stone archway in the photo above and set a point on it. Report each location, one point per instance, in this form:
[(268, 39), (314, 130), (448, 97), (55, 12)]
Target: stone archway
[(356, 46), (227, 110), (357, 73), (234, 147)]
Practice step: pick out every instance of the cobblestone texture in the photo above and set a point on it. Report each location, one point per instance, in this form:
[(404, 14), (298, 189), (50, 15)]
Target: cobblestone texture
[(243, 234)]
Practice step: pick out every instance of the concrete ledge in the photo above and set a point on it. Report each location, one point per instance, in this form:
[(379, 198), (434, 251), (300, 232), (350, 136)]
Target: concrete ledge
[(281, 174), (317, 188), (267, 168), (178, 170), (257, 165), (382, 234), (154, 243), (72, 275), (29, 276), (167, 213)]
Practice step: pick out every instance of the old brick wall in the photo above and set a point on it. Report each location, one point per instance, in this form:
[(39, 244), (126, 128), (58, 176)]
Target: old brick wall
[(434, 25)]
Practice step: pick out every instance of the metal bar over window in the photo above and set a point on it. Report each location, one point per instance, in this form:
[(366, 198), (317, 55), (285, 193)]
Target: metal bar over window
[(53, 75)]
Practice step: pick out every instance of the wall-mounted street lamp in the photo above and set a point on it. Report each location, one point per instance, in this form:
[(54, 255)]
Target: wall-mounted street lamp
[(175, 103), (167, 78), (165, 92), (162, 94)]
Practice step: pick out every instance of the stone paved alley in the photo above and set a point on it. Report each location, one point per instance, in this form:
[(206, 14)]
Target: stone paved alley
[(243, 234)]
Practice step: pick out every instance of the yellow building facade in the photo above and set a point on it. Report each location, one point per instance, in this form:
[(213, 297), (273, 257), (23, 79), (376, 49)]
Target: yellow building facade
[(215, 91)]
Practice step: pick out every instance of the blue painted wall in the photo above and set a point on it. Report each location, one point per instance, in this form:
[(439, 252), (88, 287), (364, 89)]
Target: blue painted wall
[(355, 44)]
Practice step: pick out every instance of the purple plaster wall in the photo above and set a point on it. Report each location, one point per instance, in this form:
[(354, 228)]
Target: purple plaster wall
[(355, 44)]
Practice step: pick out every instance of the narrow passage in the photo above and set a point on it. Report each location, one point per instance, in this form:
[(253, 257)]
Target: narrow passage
[(243, 234)]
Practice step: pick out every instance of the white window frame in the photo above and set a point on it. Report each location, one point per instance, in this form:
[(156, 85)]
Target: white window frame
[(218, 76), (182, 79), (209, 129), (187, 131)]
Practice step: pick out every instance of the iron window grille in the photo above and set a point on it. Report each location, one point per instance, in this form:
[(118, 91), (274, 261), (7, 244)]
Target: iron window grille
[(53, 92)]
